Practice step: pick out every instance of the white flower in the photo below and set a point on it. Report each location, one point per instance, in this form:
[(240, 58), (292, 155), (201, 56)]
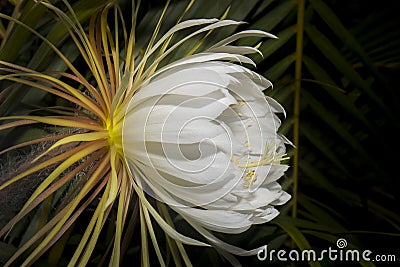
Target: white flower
[(201, 136), (197, 134)]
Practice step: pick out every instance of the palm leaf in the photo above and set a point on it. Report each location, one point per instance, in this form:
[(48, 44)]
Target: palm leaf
[(332, 79)]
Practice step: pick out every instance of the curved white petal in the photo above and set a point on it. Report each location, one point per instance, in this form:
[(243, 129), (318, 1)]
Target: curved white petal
[(224, 221), (191, 81), (242, 34), (191, 195), (219, 243), (264, 215)]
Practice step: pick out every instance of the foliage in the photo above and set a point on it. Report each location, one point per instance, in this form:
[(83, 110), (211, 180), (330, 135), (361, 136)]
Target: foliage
[(333, 69)]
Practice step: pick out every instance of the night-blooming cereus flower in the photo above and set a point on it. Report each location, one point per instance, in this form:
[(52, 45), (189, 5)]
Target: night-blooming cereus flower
[(202, 137), (198, 135)]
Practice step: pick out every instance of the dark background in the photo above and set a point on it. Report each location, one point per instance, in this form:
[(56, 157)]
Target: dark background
[(348, 126)]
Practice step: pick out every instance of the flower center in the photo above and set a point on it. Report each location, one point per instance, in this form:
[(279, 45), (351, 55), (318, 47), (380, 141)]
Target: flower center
[(250, 178), (114, 134), (271, 156)]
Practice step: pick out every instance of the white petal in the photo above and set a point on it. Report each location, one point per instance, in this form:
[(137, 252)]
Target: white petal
[(188, 80), (176, 28), (259, 198), (242, 34), (205, 58), (264, 215), (219, 243), (223, 221), (241, 50), (285, 197), (195, 195)]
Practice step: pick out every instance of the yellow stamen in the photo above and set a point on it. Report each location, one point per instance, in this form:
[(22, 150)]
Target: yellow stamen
[(269, 157), (250, 178)]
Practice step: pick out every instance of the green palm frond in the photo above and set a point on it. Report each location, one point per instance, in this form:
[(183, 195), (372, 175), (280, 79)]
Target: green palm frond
[(335, 78)]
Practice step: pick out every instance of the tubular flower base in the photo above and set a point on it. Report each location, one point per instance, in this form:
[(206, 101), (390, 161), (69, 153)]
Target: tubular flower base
[(197, 134)]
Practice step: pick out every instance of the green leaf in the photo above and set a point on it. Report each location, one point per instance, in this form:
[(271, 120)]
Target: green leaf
[(6, 251), (342, 65), (31, 14), (341, 99), (270, 46), (321, 215), (322, 145), (319, 179), (276, 71), (339, 29), (272, 18), (43, 57), (329, 118), (296, 236)]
